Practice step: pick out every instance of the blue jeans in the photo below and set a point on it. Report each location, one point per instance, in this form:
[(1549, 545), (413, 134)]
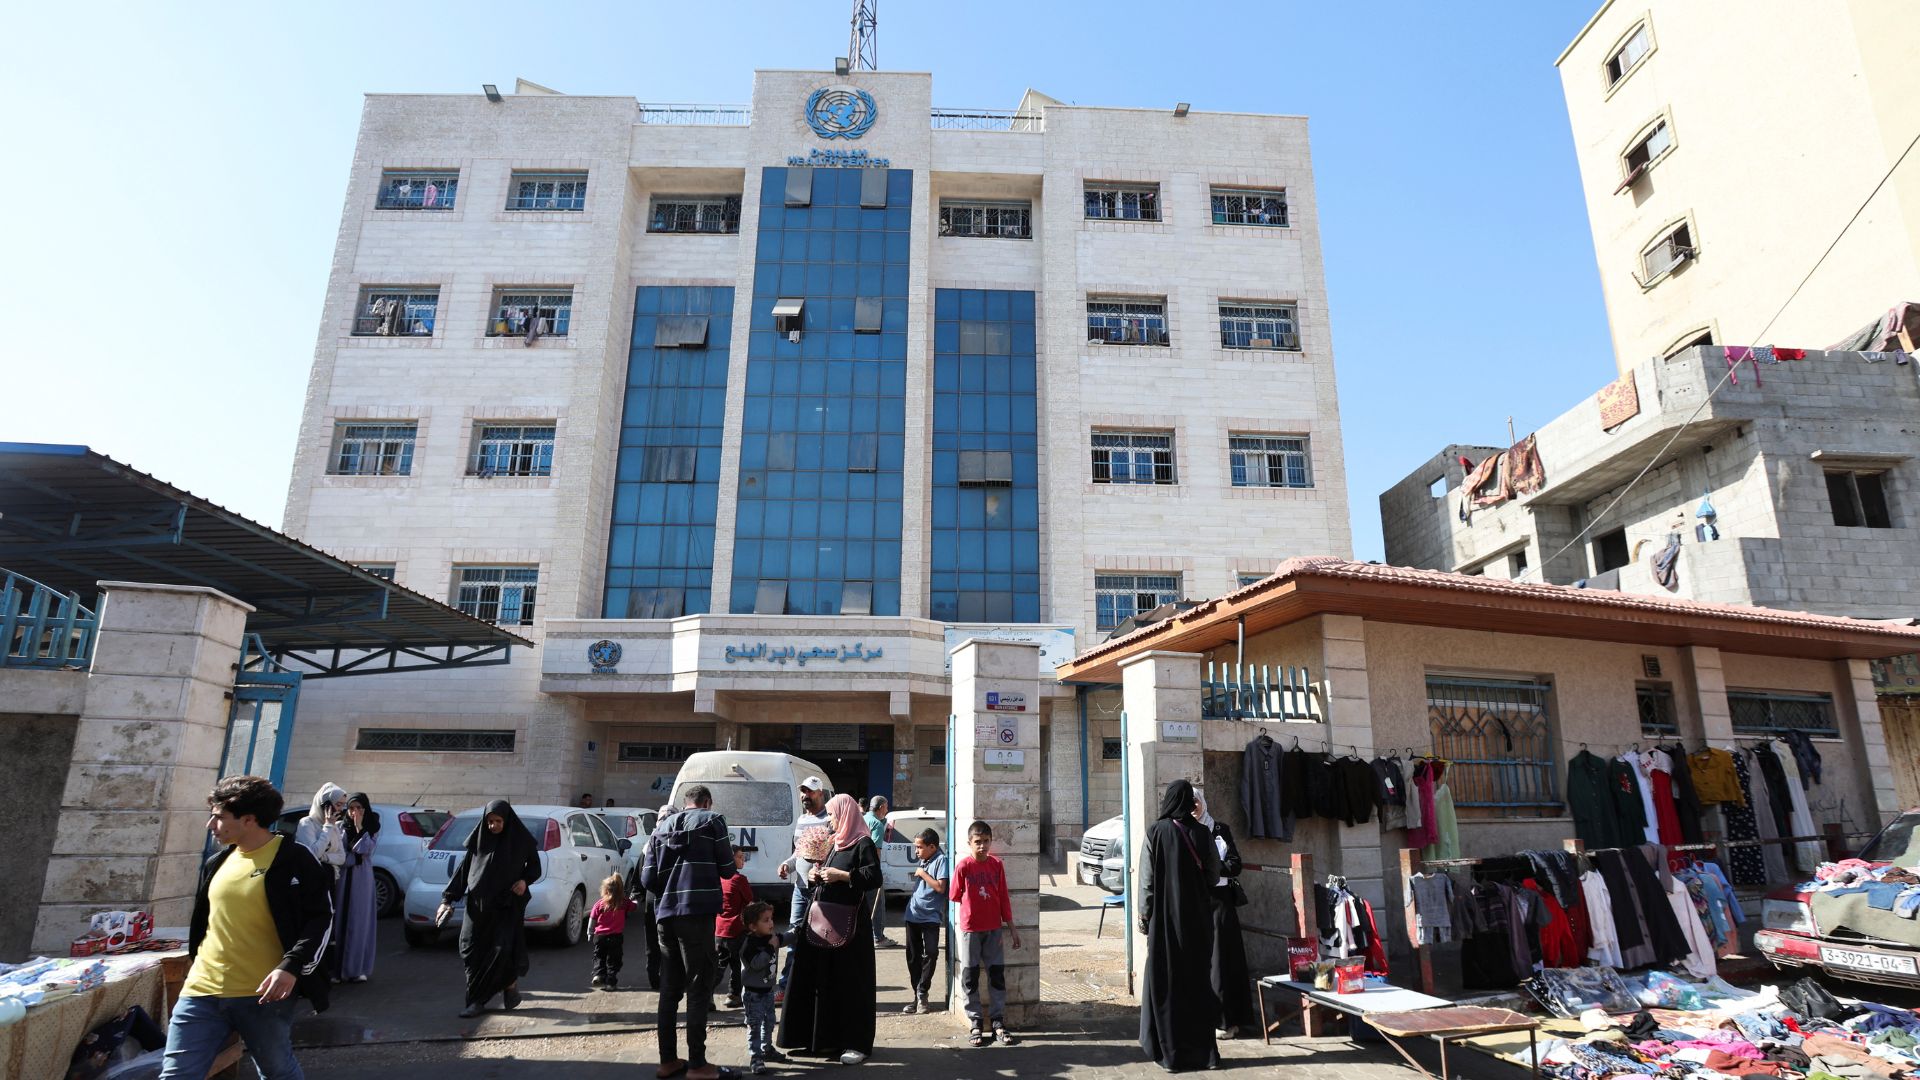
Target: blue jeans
[(760, 1023), (200, 1027), (797, 925)]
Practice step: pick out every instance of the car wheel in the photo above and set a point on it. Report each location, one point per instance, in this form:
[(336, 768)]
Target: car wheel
[(386, 895), (420, 937), (573, 925)]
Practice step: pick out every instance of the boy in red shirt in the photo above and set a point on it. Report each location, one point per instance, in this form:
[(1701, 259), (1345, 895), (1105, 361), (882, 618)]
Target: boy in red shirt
[(730, 928), (980, 884)]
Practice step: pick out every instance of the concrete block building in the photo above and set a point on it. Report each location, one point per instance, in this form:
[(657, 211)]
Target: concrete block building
[(747, 415)]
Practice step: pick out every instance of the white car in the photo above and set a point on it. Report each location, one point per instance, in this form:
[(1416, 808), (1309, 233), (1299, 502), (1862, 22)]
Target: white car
[(405, 832), (633, 824), (577, 852), (1101, 855), (896, 849)]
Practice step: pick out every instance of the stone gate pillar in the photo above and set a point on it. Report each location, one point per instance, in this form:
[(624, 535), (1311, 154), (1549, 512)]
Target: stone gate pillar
[(1160, 692)]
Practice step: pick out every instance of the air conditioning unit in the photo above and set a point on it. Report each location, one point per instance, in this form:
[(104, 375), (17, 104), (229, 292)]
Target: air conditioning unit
[(793, 336)]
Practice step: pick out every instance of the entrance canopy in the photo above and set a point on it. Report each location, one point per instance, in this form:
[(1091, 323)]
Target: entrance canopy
[(71, 518)]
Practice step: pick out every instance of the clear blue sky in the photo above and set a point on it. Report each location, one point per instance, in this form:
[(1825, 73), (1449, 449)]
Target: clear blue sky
[(178, 183)]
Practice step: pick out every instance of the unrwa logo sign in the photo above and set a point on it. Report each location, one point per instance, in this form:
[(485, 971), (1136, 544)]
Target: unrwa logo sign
[(841, 112)]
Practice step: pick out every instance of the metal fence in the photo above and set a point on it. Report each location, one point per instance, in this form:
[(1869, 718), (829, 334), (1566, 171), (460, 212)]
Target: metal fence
[(41, 628), (697, 115), (1498, 734), (985, 120), (1257, 692)]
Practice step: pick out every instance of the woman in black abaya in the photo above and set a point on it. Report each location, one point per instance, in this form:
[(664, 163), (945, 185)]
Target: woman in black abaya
[(830, 997), (1178, 1008), (1229, 951), (501, 862)]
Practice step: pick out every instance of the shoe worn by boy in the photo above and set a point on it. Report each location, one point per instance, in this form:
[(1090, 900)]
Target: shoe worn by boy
[(731, 1002), (1002, 1036), (597, 982), (975, 1037), (758, 1068), (911, 1007), (853, 1057), (613, 984)]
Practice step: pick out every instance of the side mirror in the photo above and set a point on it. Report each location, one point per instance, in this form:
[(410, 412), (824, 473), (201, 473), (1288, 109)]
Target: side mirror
[(624, 845)]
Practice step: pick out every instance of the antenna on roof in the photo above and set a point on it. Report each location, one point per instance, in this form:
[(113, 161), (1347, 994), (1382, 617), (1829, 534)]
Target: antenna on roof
[(862, 54)]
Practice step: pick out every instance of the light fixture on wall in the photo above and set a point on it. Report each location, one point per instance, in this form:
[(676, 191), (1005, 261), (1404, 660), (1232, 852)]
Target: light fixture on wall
[(1180, 108), (840, 66), (492, 92)]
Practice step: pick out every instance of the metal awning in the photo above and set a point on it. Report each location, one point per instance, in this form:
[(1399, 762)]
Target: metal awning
[(71, 518), (788, 306)]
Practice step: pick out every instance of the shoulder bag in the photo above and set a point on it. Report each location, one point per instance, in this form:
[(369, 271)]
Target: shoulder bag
[(830, 925)]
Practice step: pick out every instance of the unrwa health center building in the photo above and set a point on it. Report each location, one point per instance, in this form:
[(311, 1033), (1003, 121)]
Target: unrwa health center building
[(745, 415)]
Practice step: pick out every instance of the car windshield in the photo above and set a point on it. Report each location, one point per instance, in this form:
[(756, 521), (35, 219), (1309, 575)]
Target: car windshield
[(1899, 843), (749, 802), (621, 824), (430, 820), (454, 837), (910, 828)]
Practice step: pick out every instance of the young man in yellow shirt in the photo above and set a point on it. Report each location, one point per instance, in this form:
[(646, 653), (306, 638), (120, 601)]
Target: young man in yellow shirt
[(261, 919)]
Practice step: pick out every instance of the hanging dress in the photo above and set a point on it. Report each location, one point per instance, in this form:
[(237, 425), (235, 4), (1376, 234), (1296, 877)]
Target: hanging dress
[(1808, 854), (1766, 815), (1745, 863)]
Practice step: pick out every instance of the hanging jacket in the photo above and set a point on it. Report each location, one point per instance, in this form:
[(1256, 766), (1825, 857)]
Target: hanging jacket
[(1590, 799), (1262, 790)]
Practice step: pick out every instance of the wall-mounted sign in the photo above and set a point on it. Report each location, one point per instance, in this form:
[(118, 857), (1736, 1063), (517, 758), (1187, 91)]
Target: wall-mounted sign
[(1006, 760), (1006, 734), (604, 655), (760, 650), (984, 729), (830, 737), (1056, 642), (839, 159), (1006, 701), (841, 112), (590, 755), (1179, 731)]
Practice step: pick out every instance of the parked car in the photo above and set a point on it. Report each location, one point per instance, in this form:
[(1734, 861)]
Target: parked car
[(633, 824), (405, 832), (896, 848), (1102, 855), (1842, 938), (577, 852), (758, 793)]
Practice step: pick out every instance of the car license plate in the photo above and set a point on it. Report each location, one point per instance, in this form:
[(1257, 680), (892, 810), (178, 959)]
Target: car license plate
[(1885, 963)]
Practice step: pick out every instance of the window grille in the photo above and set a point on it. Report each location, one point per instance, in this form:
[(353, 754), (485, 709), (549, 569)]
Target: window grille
[(1003, 220), (1761, 712), (1269, 461), (1643, 152), (1499, 736), (1127, 322), (375, 449), (1124, 202), (396, 312), (695, 214), (1133, 457), (1235, 207), (423, 740), (503, 450), (379, 570), (1859, 499), (497, 594), (548, 191), (1667, 253), (1259, 326), (1657, 718), (1119, 597), (534, 314), (417, 189), (1628, 56), (660, 751)]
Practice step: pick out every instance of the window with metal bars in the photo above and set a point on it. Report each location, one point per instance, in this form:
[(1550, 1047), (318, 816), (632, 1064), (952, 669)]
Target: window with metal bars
[(1498, 735), (426, 740), (418, 189), (547, 191), (1767, 712), (1666, 254), (1123, 202), (396, 311), (1133, 457), (1122, 321), (1269, 461), (512, 450), (1119, 597), (695, 214), (1259, 326), (496, 594), (660, 751), (522, 311), (1002, 220), (374, 449), (1234, 206), (1657, 716)]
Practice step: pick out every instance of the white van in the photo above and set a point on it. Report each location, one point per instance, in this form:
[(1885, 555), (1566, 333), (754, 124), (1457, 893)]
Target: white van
[(758, 792)]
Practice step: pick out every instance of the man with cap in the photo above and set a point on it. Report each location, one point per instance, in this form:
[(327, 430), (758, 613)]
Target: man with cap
[(877, 828), (813, 811)]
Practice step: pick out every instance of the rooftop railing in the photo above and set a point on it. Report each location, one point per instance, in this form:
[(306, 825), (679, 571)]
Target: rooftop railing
[(41, 628), (985, 120), (1258, 692), (697, 115)]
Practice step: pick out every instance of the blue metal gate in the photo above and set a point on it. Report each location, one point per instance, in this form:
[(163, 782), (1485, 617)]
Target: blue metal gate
[(260, 725)]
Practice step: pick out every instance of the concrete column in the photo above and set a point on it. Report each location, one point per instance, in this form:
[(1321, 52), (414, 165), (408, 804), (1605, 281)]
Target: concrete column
[(151, 734), (1347, 698), (1704, 681), (997, 780), (1858, 714), (1161, 694)]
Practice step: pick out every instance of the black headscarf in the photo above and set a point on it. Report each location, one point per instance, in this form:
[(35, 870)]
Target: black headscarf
[(371, 819), (494, 863), (1177, 801)]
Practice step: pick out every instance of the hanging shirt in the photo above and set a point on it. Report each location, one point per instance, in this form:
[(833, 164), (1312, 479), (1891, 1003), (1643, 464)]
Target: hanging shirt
[(1714, 780), (1642, 766), (1606, 943), (1445, 829)]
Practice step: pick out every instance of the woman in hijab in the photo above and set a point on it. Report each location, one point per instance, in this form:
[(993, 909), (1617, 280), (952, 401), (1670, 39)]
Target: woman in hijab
[(830, 995), (502, 860), (1178, 1008), (323, 832), (1229, 951), (355, 905)]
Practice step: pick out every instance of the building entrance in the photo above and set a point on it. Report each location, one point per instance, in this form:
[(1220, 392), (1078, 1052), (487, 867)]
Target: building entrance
[(855, 758)]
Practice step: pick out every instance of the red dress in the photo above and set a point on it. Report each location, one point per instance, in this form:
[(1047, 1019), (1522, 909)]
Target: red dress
[(1665, 809)]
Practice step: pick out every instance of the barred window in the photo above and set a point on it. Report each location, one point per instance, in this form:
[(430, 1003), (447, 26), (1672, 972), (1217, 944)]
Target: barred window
[(1259, 326), (1232, 206), (497, 594), (374, 449), (695, 214), (547, 191), (396, 311), (1119, 597), (1498, 734), (1133, 457), (1269, 461), (1766, 712), (1666, 254), (512, 450), (535, 314), (1125, 202), (425, 740), (1005, 220), (661, 751), (1657, 717), (417, 189), (1122, 321)]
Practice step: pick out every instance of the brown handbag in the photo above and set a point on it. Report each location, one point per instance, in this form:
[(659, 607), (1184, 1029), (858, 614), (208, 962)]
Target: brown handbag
[(830, 925)]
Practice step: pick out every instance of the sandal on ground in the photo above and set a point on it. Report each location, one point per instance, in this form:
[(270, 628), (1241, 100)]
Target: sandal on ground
[(670, 1069), (976, 1037), (1002, 1036)]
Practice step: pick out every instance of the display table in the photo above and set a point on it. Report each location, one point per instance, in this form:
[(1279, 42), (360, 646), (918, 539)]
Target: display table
[(42, 1043), (1398, 1013), (1371, 1000)]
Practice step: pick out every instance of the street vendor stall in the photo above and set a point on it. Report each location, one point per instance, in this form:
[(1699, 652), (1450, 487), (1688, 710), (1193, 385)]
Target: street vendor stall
[(62, 1000)]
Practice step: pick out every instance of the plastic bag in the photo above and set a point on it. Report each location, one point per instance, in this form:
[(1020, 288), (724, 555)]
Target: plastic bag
[(1568, 992)]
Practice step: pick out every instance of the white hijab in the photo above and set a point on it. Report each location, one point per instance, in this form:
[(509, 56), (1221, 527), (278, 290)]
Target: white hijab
[(1206, 819)]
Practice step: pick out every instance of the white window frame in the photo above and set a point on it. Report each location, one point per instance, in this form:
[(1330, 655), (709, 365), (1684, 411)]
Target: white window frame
[(1121, 201), (1264, 216), (1677, 254), (1607, 77), (419, 310), (445, 182), (499, 594), (1001, 219), (1142, 592), (1253, 457), (1151, 452), (1259, 325), (554, 304), (512, 448), (697, 214), (1630, 171), (1128, 320), (377, 447), (555, 191)]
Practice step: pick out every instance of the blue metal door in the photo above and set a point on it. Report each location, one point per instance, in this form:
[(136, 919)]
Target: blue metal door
[(260, 726)]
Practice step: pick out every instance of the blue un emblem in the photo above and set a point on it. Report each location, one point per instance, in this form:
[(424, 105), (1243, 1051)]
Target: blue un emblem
[(840, 113), (604, 655)]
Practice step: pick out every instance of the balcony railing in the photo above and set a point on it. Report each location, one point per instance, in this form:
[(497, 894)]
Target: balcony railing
[(697, 115), (40, 628), (985, 120), (1257, 692)]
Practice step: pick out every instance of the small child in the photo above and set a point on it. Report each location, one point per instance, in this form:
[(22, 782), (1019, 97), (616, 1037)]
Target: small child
[(759, 951), (980, 884), (610, 932), (729, 931)]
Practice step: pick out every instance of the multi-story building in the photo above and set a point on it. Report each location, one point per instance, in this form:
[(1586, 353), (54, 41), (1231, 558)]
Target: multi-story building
[(746, 414), (1723, 147)]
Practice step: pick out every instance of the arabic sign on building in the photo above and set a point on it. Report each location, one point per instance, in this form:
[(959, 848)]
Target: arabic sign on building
[(762, 652)]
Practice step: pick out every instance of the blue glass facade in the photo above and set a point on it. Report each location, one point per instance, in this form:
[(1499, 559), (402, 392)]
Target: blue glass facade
[(823, 439), (986, 474), (667, 482)]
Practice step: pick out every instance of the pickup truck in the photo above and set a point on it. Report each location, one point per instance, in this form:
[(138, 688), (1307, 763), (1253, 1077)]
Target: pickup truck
[(1843, 936)]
